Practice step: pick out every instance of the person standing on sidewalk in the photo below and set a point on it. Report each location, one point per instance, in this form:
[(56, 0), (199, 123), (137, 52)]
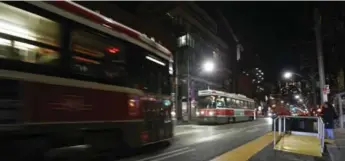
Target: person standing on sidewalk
[(328, 116)]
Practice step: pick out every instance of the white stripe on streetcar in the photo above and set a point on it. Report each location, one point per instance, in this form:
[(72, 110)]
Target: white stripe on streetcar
[(52, 80)]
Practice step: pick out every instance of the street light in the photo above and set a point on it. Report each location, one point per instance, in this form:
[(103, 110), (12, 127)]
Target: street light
[(287, 75), (297, 96), (208, 66)]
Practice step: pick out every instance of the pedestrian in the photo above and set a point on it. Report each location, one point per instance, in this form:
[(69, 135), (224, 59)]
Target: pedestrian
[(328, 116)]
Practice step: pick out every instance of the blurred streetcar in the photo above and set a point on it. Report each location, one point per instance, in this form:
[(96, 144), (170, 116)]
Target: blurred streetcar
[(71, 77)]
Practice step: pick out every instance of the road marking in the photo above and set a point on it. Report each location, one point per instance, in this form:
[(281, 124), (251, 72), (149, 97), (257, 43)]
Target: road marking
[(219, 135), (184, 125), (187, 132), (164, 154), (253, 130), (246, 151), (173, 155)]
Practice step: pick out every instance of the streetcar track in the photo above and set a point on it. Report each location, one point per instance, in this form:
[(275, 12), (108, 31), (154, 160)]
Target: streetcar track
[(187, 132), (174, 155), (168, 154)]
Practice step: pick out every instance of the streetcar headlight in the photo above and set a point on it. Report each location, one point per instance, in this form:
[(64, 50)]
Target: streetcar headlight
[(197, 113), (211, 113), (173, 113)]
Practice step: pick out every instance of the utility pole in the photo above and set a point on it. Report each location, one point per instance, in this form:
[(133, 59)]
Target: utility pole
[(177, 101), (189, 105), (317, 19), (313, 87)]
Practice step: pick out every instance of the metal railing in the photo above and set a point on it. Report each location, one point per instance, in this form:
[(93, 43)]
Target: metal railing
[(282, 128)]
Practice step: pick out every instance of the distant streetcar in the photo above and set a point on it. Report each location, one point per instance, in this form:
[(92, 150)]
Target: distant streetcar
[(221, 107), (70, 77)]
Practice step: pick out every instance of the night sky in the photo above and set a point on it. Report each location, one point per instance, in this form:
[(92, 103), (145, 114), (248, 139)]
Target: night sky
[(270, 29)]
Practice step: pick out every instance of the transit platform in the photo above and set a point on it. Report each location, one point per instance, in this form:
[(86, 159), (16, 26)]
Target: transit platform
[(289, 148)]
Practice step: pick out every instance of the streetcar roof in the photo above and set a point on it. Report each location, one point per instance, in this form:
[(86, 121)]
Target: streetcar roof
[(95, 20), (221, 93)]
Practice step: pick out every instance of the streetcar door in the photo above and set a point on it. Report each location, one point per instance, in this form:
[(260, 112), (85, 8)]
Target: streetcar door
[(152, 119), (157, 120)]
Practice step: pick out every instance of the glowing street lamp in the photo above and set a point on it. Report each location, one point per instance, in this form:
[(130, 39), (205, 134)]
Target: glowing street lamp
[(287, 75), (297, 96), (208, 66)]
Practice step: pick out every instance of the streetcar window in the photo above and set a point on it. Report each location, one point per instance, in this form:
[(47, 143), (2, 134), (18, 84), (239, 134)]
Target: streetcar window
[(211, 102), (236, 103), (206, 102), (98, 56), (23, 24), (233, 102), (230, 102), (220, 102), (146, 71), (28, 37)]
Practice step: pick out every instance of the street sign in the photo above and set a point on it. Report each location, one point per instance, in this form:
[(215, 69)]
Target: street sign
[(326, 89)]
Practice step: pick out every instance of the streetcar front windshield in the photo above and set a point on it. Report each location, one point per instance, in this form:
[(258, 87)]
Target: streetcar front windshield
[(211, 102)]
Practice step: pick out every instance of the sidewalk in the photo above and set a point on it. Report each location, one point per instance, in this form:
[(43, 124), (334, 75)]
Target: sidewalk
[(337, 150), (261, 149), (269, 154)]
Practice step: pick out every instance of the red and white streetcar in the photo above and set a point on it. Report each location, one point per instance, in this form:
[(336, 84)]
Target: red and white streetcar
[(221, 107), (71, 77)]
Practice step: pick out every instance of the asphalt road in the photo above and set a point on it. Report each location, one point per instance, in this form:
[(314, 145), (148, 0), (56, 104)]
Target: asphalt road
[(203, 142)]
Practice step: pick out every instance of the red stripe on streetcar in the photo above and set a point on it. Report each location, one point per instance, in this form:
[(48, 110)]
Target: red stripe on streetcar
[(249, 113), (225, 112), (107, 22)]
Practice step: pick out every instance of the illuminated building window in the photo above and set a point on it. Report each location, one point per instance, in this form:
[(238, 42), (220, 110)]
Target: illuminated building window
[(186, 40)]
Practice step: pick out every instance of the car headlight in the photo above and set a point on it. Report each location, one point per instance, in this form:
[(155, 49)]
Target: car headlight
[(211, 113)]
